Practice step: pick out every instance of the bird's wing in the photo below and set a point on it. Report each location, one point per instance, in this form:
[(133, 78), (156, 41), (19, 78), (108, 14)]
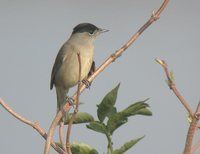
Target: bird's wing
[(92, 69), (57, 64)]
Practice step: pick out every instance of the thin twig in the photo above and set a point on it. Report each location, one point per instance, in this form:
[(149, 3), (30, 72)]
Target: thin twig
[(182, 100), (35, 125), (191, 131), (61, 135), (172, 86), (76, 108), (195, 117), (111, 59)]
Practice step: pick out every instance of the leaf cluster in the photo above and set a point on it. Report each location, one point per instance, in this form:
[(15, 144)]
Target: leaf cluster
[(110, 119)]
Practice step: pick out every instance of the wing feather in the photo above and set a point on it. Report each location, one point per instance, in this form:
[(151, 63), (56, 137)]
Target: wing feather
[(57, 64)]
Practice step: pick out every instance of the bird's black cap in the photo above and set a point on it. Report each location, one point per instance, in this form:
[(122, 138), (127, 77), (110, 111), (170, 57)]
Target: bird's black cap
[(84, 27)]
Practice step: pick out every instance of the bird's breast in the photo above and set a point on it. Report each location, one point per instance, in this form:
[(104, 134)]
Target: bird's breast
[(69, 72)]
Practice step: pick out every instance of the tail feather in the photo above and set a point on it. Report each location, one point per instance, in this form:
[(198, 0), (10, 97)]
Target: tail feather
[(61, 97)]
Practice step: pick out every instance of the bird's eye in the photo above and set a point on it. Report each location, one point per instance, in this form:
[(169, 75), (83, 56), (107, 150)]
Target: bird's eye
[(91, 32)]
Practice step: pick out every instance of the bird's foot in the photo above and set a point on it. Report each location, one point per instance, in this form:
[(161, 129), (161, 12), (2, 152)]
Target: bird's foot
[(86, 83), (70, 100)]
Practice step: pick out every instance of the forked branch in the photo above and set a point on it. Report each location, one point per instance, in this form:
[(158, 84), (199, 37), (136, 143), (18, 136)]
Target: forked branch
[(195, 117)]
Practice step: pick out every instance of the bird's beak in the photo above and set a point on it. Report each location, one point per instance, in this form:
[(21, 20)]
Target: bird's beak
[(103, 30)]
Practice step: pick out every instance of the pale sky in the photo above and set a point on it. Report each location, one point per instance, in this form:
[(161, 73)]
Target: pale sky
[(31, 34)]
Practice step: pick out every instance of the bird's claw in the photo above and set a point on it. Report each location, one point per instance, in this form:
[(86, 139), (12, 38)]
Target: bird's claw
[(86, 83), (70, 100)]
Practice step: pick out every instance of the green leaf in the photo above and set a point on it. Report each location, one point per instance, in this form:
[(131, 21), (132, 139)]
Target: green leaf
[(107, 104), (137, 108), (145, 112), (81, 117), (97, 126), (127, 146), (115, 121), (120, 118), (81, 148), (112, 112)]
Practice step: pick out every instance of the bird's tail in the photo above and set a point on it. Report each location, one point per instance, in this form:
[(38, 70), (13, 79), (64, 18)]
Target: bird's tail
[(61, 97)]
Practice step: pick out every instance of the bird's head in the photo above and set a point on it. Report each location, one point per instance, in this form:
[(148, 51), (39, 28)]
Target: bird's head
[(87, 31)]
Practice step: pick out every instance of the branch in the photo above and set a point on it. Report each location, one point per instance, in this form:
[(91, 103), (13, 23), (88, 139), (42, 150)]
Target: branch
[(172, 86), (30, 123), (191, 131), (111, 59), (55, 122), (76, 108), (195, 147), (195, 117), (61, 135)]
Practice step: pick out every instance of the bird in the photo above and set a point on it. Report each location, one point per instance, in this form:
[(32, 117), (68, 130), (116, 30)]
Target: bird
[(65, 71)]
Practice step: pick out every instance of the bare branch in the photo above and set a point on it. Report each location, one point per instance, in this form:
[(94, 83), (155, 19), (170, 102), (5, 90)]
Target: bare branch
[(195, 117), (55, 122), (61, 135), (172, 86), (111, 59), (191, 131), (76, 108), (35, 125)]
